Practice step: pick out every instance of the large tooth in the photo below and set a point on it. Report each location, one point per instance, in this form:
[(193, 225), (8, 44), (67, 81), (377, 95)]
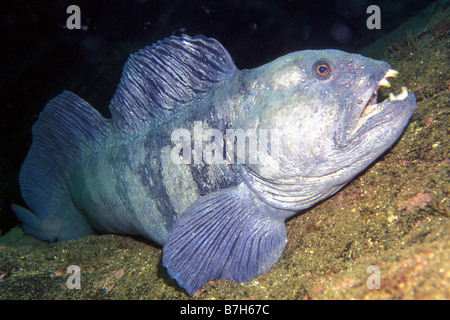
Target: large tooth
[(391, 73), (403, 95), (384, 83)]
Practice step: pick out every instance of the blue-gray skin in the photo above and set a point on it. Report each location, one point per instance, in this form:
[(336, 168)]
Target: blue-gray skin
[(219, 221)]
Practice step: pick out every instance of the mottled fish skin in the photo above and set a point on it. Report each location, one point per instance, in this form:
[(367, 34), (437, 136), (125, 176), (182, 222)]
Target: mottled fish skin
[(85, 173), (135, 181)]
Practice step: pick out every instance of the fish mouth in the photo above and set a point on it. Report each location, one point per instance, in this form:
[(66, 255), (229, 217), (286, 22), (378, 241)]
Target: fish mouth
[(372, 107)]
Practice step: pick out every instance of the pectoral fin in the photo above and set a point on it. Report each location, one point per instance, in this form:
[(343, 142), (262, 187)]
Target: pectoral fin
[(228, 234)]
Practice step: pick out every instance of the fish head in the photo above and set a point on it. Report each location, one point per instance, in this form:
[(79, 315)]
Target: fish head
[(322, 107)]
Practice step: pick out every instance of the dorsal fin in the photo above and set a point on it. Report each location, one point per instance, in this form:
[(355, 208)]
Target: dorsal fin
[(158, 80)]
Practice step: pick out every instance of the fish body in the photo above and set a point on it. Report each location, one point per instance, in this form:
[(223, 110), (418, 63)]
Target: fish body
[(205, 159)]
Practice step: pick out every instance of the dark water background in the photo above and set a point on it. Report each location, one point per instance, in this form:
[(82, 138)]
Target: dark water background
[(40, 57)]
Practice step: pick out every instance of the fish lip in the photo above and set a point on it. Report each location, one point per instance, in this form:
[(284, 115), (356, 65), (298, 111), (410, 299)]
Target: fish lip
[(371, 108), (383, 82), (389, 110)]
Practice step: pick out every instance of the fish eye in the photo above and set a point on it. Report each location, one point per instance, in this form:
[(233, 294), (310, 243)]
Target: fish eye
[(322, 69)]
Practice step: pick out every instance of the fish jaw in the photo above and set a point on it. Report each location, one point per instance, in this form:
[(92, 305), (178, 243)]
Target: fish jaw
[(376, 125)]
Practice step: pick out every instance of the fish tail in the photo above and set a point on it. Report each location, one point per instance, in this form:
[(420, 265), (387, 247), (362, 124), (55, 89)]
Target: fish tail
[(67, 129)]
